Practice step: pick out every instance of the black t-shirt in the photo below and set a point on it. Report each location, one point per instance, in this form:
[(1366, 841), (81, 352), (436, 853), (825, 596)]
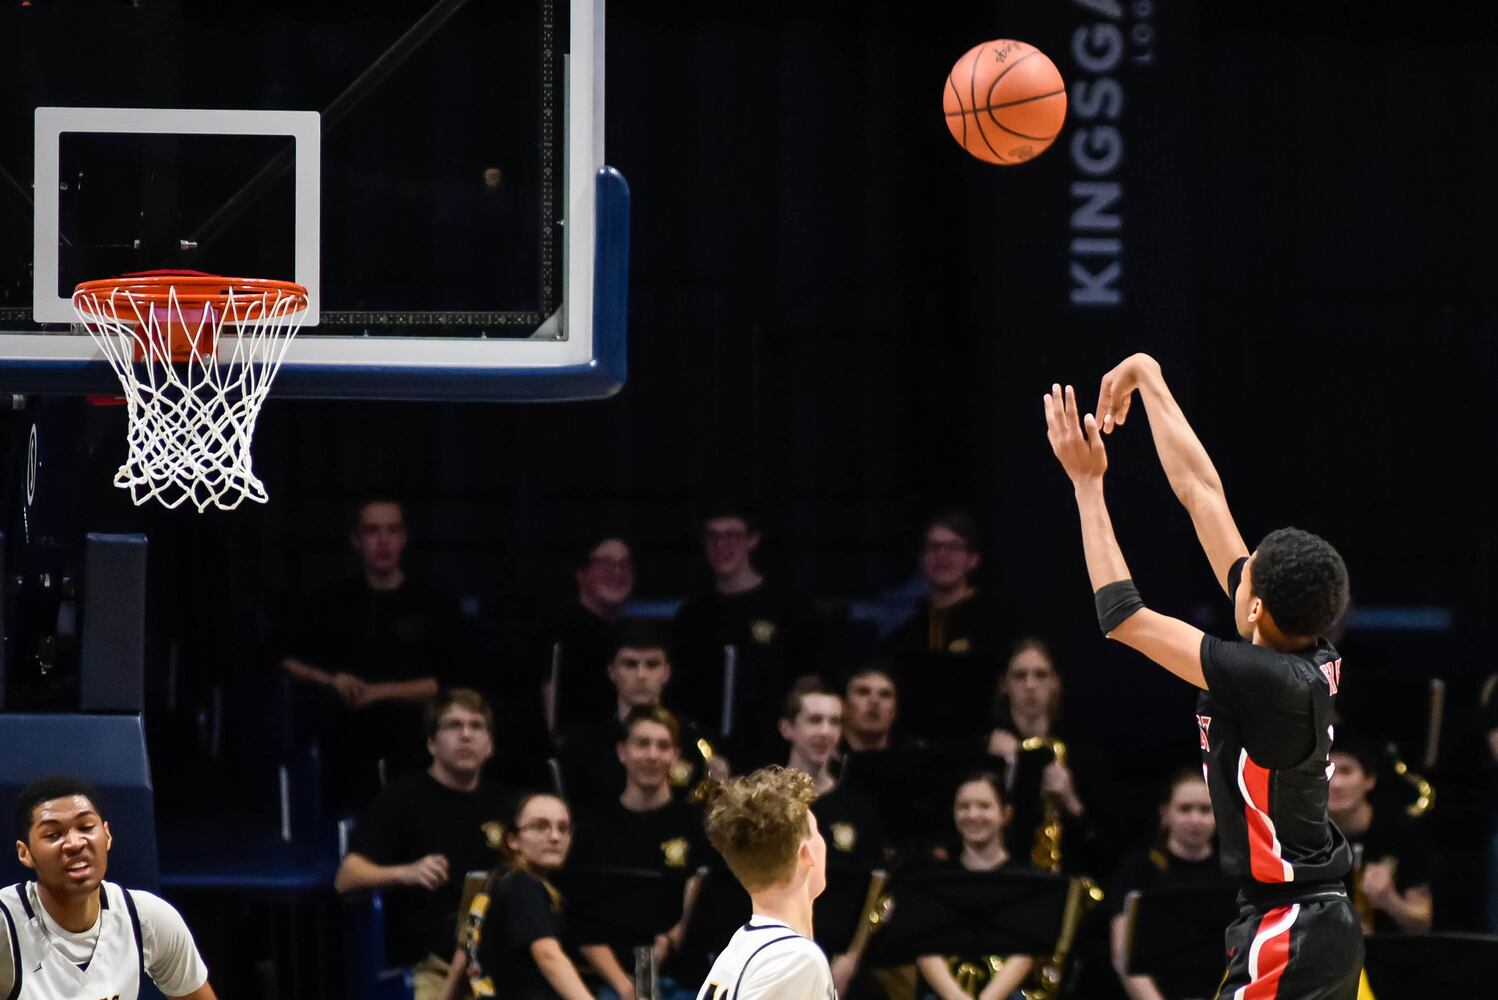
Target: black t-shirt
[(947, 661), (776, 638), (1264, 724), (408, 820), (1086, 845), (1158, 868), (582, 644), (669, 840), (1391, 835), (376, 635), (519, 910)]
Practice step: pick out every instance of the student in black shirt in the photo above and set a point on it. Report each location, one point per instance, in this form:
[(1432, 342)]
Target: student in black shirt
[(1265, 709), (583, 634), (1392, 862), (646, 827), (811, 723), (421, 835), (373, 651), (1026, 734), (515, 927), (951, 619), (1183, 855), (770, 633), (639, 672), (979, 813)]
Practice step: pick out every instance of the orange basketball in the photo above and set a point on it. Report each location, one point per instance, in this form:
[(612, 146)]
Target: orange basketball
[(1005, 101)]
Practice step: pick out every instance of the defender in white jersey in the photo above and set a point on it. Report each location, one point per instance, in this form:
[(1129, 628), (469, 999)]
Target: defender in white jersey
[(70, 935), (763, 827)]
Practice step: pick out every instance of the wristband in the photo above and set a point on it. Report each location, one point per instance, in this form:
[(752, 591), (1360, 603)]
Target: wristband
[(1115, 604)]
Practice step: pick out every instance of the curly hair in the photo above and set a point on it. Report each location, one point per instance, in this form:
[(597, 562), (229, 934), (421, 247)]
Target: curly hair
[(757, 823), (1301, 579)]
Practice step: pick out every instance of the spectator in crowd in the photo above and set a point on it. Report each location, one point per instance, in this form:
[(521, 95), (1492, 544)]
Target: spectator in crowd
[(870, 708), (639, 670), (1183, 855), (980, 814), (376, 647), (951, 619), (582, 637), (812, 723), (1027, 707), (421, 835), (1392, 863), (747, 620), (513, 946), (646, 827)]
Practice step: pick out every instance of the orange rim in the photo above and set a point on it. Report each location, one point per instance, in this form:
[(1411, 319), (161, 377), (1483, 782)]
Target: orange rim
[(191, 287)]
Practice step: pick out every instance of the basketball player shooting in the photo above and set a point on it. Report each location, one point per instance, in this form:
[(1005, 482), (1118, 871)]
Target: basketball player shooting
[(1265, 708), (763, 827), (70, 935)]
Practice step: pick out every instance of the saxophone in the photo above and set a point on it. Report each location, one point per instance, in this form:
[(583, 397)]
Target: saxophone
[(1045, 854)]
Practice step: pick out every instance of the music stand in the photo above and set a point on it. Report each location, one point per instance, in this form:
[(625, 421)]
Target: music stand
[(953, 912), (619, 907), (946, 697), (837, 911), (1417, 966), (1176, 936), (912, 788)]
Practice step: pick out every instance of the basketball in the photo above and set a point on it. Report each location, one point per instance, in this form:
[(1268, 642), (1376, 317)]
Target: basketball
[(1004, 101)]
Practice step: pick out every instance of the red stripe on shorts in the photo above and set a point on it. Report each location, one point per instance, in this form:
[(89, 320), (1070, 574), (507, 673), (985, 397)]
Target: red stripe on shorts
[(1269, 955)]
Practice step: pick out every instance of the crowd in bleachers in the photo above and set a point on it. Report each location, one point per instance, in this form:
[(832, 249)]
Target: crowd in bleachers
[(538, 872)]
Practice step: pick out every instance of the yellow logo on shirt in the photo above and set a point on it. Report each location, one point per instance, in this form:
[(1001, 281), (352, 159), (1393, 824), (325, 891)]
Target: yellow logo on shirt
[(763, 632), (675, 851), (959, 646), (494, 834), (681, 773), (844, 836)]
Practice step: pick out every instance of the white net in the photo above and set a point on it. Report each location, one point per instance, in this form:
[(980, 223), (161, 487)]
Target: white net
[(191, 420)]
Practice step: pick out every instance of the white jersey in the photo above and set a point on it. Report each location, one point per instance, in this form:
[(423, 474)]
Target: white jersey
[(137, 935), (766, 960)]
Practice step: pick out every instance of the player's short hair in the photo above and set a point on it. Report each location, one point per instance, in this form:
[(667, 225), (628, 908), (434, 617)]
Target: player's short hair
[(1361, 750), (986, 776), (1302, 580), (461, 697), (640, 633), (869, 668), (356, 509), (956, 520), (57, 786), (582, 551), (757, 823), (803, 688), (733, 507), (650, 713)]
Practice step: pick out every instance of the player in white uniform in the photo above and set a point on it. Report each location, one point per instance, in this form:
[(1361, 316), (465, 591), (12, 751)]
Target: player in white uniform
[(70, 935), (763, 827)]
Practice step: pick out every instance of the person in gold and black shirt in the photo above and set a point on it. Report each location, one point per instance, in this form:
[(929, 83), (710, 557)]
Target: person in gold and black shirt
[(980, 812), (1392, 859), (764, 630), (646, 827), (951, 619), (582, 635)]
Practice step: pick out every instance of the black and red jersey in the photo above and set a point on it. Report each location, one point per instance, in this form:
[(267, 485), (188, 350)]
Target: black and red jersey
[(1265, 723)]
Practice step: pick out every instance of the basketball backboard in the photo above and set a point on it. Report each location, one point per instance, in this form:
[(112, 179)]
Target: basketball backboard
[(432, 173)]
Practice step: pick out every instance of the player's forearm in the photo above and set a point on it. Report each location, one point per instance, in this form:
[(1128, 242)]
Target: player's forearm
[(356, 873), (1186, 463), (558, 970), (1105, 560), (602, 958), (934, 970)]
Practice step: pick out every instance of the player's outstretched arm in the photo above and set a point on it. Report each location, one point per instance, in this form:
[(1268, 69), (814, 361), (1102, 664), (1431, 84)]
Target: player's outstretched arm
[(1187, 466), (1078, 446)]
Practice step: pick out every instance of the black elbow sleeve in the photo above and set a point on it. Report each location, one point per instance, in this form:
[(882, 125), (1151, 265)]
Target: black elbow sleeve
[(1115, 603)]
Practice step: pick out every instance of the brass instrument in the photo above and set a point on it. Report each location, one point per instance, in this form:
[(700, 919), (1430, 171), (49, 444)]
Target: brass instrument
[(1045, 854), (1425, 794), (707, 784)]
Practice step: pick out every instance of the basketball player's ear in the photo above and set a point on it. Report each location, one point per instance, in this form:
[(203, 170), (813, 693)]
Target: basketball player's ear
[(23, 854), (108, 837)]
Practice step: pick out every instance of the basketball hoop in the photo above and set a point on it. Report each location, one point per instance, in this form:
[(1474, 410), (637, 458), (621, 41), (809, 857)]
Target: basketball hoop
[(195, 354)]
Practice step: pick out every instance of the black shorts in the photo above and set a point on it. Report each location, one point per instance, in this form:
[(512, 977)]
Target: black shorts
[(1310, 949)]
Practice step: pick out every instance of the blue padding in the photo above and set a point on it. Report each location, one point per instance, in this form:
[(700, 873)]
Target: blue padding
[(111, 662), (368, 978), (107, 750)]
